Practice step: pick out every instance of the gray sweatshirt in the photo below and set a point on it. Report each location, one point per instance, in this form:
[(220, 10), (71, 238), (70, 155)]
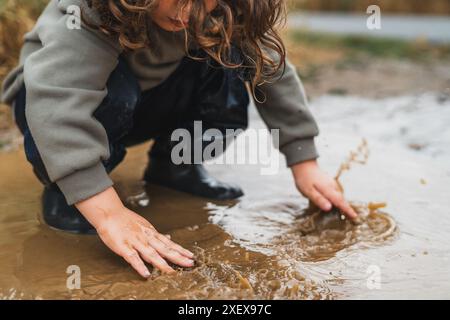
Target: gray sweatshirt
[(65, 73)]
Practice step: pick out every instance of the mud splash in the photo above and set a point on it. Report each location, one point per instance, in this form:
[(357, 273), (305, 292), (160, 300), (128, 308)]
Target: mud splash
[(270, 245)]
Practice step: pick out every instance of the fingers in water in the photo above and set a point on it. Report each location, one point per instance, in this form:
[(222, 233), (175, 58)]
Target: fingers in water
[(151, 256), (132, 257), (338, 200), (167, 241), (320, 200), (168, 252)]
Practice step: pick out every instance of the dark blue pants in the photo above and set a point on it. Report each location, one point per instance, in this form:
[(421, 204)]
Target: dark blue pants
[(196, 91)]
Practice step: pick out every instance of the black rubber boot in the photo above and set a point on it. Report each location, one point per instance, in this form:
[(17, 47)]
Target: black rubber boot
[(189, 178), (58, 215)]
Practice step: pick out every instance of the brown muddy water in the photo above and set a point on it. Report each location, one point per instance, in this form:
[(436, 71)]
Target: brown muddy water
[(267, 245)]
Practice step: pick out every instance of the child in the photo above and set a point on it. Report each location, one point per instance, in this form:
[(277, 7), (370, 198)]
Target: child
[(137, 70)]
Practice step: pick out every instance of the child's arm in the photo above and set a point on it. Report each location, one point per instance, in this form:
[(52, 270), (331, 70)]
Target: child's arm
[(130, 235), (66, 82), (286, 109)]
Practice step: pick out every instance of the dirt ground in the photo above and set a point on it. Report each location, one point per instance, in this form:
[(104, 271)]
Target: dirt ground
[(381, 78), (368, 68)]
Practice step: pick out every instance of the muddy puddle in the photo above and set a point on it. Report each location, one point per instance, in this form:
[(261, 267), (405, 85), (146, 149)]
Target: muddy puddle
[(269, 245)]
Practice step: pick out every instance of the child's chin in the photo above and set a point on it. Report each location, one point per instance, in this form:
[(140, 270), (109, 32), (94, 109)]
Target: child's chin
[(170, 27), (177, 29)]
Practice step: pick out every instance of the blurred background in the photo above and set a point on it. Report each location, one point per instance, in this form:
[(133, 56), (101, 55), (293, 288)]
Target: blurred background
[(438, 7), (328, 41)]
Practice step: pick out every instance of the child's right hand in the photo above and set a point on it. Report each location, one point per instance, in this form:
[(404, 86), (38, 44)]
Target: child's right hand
[(131, 236)]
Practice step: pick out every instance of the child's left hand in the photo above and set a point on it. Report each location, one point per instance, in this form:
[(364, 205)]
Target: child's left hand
[(321, 189)]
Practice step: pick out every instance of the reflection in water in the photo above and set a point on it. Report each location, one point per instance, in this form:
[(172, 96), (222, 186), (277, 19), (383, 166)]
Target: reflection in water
[(269, 245)]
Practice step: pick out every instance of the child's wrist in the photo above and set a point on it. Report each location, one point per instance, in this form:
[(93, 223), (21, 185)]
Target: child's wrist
[(101, 207), (299, 168)]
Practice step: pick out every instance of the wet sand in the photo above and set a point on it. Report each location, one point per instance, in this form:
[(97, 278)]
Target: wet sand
[(267, 245)]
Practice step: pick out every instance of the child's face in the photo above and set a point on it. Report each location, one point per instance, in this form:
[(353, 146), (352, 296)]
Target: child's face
[(167, 15)]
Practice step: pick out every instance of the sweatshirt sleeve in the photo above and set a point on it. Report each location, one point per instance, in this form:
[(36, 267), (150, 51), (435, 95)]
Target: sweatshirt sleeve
[(286, 108), (65, 82)]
